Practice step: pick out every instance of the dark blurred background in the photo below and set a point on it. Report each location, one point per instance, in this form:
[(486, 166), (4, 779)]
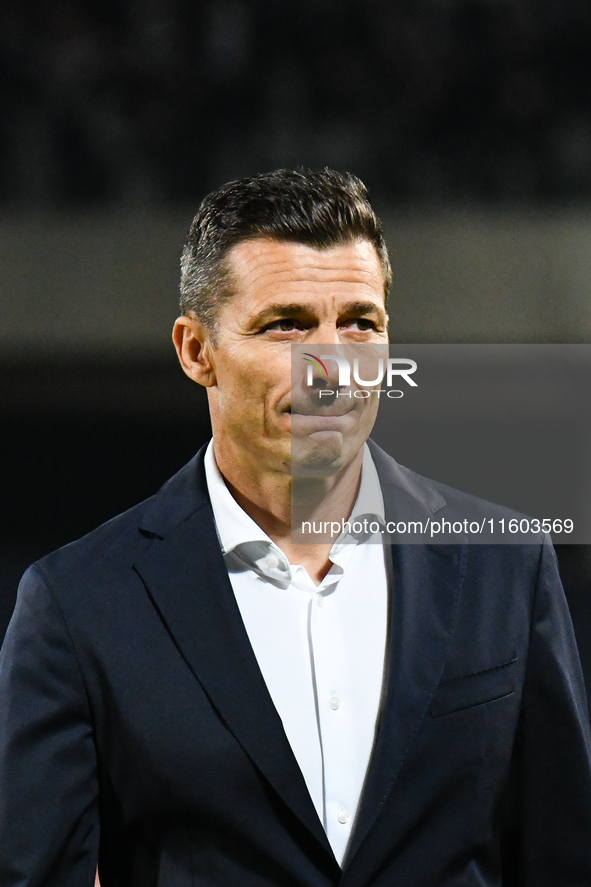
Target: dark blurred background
[(468, 119)]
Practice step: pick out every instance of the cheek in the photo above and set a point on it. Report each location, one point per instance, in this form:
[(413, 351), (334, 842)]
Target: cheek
[(242, 395), (249, 384)]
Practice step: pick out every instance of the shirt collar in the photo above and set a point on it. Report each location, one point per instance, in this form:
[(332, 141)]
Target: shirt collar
[(368, 509), (246, 546)]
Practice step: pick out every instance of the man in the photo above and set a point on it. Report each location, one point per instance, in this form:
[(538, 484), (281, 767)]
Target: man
[(197, 699)]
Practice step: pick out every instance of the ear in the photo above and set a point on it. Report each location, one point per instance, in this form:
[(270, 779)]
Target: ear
[(194, 349)]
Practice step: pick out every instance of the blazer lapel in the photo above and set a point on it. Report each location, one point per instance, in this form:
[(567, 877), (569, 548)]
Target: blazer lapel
[(425, 584), (184, 573)]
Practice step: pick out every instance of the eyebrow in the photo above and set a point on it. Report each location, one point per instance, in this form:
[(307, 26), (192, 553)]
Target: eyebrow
[(363, 308), (307, 309)]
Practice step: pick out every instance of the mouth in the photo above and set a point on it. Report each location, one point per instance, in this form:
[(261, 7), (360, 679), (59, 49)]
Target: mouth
[(332, 408), (311, 424), (329, 412)]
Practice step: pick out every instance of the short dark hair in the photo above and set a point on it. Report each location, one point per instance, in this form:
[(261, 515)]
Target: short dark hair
[(319, 209)]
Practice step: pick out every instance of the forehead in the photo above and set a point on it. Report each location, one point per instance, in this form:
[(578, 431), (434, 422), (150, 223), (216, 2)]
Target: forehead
[(266, 270)]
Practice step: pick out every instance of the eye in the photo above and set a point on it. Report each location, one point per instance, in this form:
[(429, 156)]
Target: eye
[(363, 324), (285, 325)]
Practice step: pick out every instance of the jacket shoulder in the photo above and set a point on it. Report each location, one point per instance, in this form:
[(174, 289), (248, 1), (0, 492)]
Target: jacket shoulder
[(433, 496), (114, 540), (117, 543)]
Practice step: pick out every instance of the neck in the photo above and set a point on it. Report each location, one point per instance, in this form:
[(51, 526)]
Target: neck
[(279, 504)]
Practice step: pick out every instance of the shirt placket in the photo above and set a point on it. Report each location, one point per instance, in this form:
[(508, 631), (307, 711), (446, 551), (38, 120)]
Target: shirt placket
[(333, 706)]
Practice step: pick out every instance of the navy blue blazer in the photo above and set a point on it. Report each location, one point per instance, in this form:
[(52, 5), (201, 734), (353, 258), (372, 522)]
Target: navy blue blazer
[(135, 725)]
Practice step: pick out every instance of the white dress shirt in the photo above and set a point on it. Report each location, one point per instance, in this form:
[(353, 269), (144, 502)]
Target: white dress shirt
[(320, 648)]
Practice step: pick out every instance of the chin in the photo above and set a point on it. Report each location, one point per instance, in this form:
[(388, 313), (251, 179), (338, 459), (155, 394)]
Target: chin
[(322, 454)]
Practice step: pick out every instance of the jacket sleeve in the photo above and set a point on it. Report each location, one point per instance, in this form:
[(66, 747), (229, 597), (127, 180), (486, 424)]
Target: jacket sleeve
[(554, 746), (48, 774)]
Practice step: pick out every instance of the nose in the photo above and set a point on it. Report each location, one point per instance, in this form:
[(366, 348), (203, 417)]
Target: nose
[(325, 334), (326, 346)]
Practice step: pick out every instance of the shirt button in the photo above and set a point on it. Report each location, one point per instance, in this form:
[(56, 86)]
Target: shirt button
[(272, 561), (319, 600), (343, 816), (334, 703)]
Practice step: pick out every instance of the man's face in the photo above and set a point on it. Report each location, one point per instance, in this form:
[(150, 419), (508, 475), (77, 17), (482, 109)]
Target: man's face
[(284, 294)]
